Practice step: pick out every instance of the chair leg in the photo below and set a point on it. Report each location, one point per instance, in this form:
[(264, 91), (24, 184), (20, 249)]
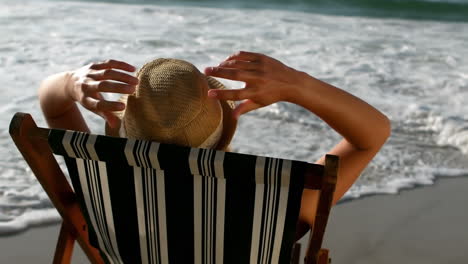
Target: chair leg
[(296, 253), (323, 257), (64, 248)]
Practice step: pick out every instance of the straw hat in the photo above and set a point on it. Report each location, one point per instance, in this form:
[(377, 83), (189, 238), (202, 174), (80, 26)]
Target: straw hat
[(171, 105)]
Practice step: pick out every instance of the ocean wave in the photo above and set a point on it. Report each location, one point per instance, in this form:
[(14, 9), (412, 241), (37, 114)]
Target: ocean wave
[(447, 10)]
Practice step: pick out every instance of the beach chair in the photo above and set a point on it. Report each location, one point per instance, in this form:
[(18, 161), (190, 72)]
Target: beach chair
[(138, 201)]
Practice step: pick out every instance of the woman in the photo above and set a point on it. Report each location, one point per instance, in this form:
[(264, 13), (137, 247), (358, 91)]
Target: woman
[(364, 129)]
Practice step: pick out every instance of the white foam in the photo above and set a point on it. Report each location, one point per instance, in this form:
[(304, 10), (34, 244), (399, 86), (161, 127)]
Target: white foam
[(453, 130), (28, 219)]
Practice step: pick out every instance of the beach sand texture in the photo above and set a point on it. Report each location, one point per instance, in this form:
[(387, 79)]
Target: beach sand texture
[(425, 225)]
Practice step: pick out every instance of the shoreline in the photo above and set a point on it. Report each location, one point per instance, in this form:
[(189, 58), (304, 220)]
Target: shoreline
[(425, 224), (412, 187), (343, 201)]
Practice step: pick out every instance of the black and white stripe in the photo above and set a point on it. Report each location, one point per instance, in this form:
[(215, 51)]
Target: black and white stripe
[(150, 201), (93, 178), (141, 153), (151, 210), (271, 193), (209, 200)]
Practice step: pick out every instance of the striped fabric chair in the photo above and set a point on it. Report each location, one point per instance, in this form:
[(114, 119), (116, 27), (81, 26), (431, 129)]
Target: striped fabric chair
[(137, 201)]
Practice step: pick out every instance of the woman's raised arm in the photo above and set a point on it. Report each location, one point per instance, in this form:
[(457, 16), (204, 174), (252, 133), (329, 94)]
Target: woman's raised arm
[(364, 128)]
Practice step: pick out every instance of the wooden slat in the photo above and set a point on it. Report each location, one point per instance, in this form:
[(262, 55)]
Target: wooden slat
[(30, 141), (322, 257), (314, 176), (296, 253), (323, 209), (64, 248)]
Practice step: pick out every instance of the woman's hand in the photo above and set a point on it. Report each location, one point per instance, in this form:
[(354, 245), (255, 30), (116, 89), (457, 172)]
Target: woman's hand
[(267, 80), (86, 84), (59, 93)]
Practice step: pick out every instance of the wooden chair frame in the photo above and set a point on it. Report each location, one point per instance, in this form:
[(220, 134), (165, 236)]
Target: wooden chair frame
[(32, 142)]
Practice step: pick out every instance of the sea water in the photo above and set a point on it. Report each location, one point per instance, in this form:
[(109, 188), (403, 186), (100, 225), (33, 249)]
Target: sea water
[(409, 62)]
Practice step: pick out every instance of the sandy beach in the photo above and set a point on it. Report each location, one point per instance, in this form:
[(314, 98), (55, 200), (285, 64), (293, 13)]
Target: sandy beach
[(426, 225), (423, 225)]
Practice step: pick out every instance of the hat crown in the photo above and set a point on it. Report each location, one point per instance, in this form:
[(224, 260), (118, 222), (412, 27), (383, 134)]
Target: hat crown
[(170, 93)]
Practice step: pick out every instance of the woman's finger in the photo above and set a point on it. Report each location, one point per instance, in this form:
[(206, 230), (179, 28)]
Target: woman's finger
[(232, 74), (115, 64), (109, 74), (111, 119), (108, 87), (239, 64), (232, 94), (245, 56), (245, 107), (96, 105), (104, 105)]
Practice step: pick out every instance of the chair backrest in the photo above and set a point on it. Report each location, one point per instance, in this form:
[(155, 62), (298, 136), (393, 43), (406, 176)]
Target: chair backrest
[(147, 202)]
